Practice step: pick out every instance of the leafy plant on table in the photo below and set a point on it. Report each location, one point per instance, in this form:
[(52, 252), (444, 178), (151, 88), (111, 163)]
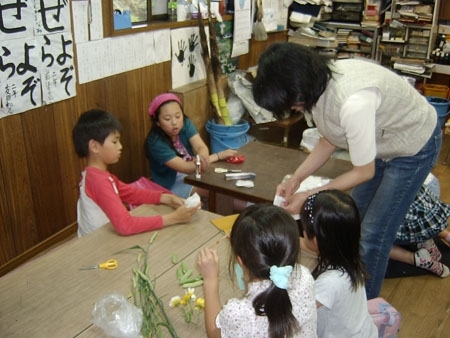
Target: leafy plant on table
[(190, 304), (155, 319)]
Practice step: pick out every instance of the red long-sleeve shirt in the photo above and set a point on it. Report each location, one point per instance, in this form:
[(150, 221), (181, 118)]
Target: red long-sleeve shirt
[(101, 201)]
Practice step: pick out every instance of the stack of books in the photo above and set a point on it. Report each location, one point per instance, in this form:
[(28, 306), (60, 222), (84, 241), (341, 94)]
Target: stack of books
[(371, 17), (341, 36), (312, 37), (415, 12)]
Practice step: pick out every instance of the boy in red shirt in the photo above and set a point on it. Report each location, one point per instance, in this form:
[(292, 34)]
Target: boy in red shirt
[(96, 136)]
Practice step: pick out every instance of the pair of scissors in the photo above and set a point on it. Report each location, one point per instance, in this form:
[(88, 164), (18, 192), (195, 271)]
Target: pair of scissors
[(110, 264)]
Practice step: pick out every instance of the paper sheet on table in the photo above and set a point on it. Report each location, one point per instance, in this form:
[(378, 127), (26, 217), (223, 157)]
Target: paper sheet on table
[(225, 223), (313, 182), (310, 183)]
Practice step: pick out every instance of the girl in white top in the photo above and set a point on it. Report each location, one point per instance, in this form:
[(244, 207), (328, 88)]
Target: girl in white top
[(280, 296), (331, 226)]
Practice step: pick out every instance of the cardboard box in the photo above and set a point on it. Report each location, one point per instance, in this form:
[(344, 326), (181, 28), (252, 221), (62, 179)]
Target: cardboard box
[(444, 29), (436, 90)]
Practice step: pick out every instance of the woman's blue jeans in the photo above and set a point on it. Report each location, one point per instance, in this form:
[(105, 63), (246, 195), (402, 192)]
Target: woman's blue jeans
[(384, 201)]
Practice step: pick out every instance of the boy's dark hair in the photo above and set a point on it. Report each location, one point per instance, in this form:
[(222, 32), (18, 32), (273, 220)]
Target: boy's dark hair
[(94, 124), (332, 217), (262, 236), (289, 73)]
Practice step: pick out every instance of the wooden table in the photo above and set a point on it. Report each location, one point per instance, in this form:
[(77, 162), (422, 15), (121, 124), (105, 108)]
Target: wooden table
[(50, 297), (269, 163)]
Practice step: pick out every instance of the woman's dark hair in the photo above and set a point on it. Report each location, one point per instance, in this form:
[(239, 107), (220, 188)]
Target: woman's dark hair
[(94, 124), (157, 129), (289, 73), (332, 217), (262, 236)]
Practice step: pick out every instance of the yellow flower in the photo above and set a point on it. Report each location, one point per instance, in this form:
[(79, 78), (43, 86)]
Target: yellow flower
[(191, 291), (175, 301), (189, 295), (199, 303)]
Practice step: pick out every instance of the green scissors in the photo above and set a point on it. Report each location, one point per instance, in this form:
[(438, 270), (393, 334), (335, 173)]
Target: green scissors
[(110, 264)]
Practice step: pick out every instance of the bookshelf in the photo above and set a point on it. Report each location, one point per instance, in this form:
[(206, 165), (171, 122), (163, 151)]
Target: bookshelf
[(352, 30), (409, 33), (354, 39)]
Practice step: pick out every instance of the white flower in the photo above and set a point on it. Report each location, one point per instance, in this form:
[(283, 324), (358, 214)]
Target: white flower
[(175, 301)]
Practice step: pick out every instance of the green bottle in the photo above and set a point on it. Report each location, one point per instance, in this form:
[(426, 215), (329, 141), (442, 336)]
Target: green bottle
[(172, 10)]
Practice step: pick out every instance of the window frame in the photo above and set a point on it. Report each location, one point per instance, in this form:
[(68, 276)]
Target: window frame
[(156, 22)]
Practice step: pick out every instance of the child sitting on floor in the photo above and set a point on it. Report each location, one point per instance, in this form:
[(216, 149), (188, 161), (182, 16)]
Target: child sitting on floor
[(173, 144), (331, 226), (96, 136), (427, 218)]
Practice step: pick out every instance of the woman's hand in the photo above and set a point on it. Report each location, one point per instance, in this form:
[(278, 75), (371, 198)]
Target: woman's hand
[(294, 203), (288, 187), (172, 200)]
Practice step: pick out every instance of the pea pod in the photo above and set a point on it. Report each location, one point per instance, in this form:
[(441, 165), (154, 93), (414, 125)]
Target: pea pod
[(174, 259), (153, 237), (193, 284), (179, 273), (184, 267), (185, 276), (191, 280)]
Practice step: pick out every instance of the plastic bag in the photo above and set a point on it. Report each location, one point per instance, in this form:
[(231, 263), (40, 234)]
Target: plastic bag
[(310, 138), (242, 88), (117, 317), (235, 108)]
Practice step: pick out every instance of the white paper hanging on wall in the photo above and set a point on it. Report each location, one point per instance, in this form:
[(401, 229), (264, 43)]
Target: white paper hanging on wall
[(187, 61)]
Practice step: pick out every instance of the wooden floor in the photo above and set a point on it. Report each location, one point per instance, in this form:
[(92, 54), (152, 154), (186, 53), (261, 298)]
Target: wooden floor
[(424, 301)]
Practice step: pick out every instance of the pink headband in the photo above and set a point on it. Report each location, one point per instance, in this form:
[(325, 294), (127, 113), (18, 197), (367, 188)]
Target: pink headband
[(159, 101)]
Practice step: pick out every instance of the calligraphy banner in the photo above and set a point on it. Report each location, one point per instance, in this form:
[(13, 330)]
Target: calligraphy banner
[(36, 54)]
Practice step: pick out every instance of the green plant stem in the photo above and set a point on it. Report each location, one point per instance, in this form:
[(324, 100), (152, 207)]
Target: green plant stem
[(155, 318)]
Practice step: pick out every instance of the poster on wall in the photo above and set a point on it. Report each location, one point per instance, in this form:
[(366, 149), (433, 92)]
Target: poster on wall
[(187, 61), (36, 54), (224, 34)]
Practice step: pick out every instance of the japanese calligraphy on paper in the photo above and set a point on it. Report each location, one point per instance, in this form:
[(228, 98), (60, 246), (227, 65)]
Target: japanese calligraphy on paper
[(36, 54)]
